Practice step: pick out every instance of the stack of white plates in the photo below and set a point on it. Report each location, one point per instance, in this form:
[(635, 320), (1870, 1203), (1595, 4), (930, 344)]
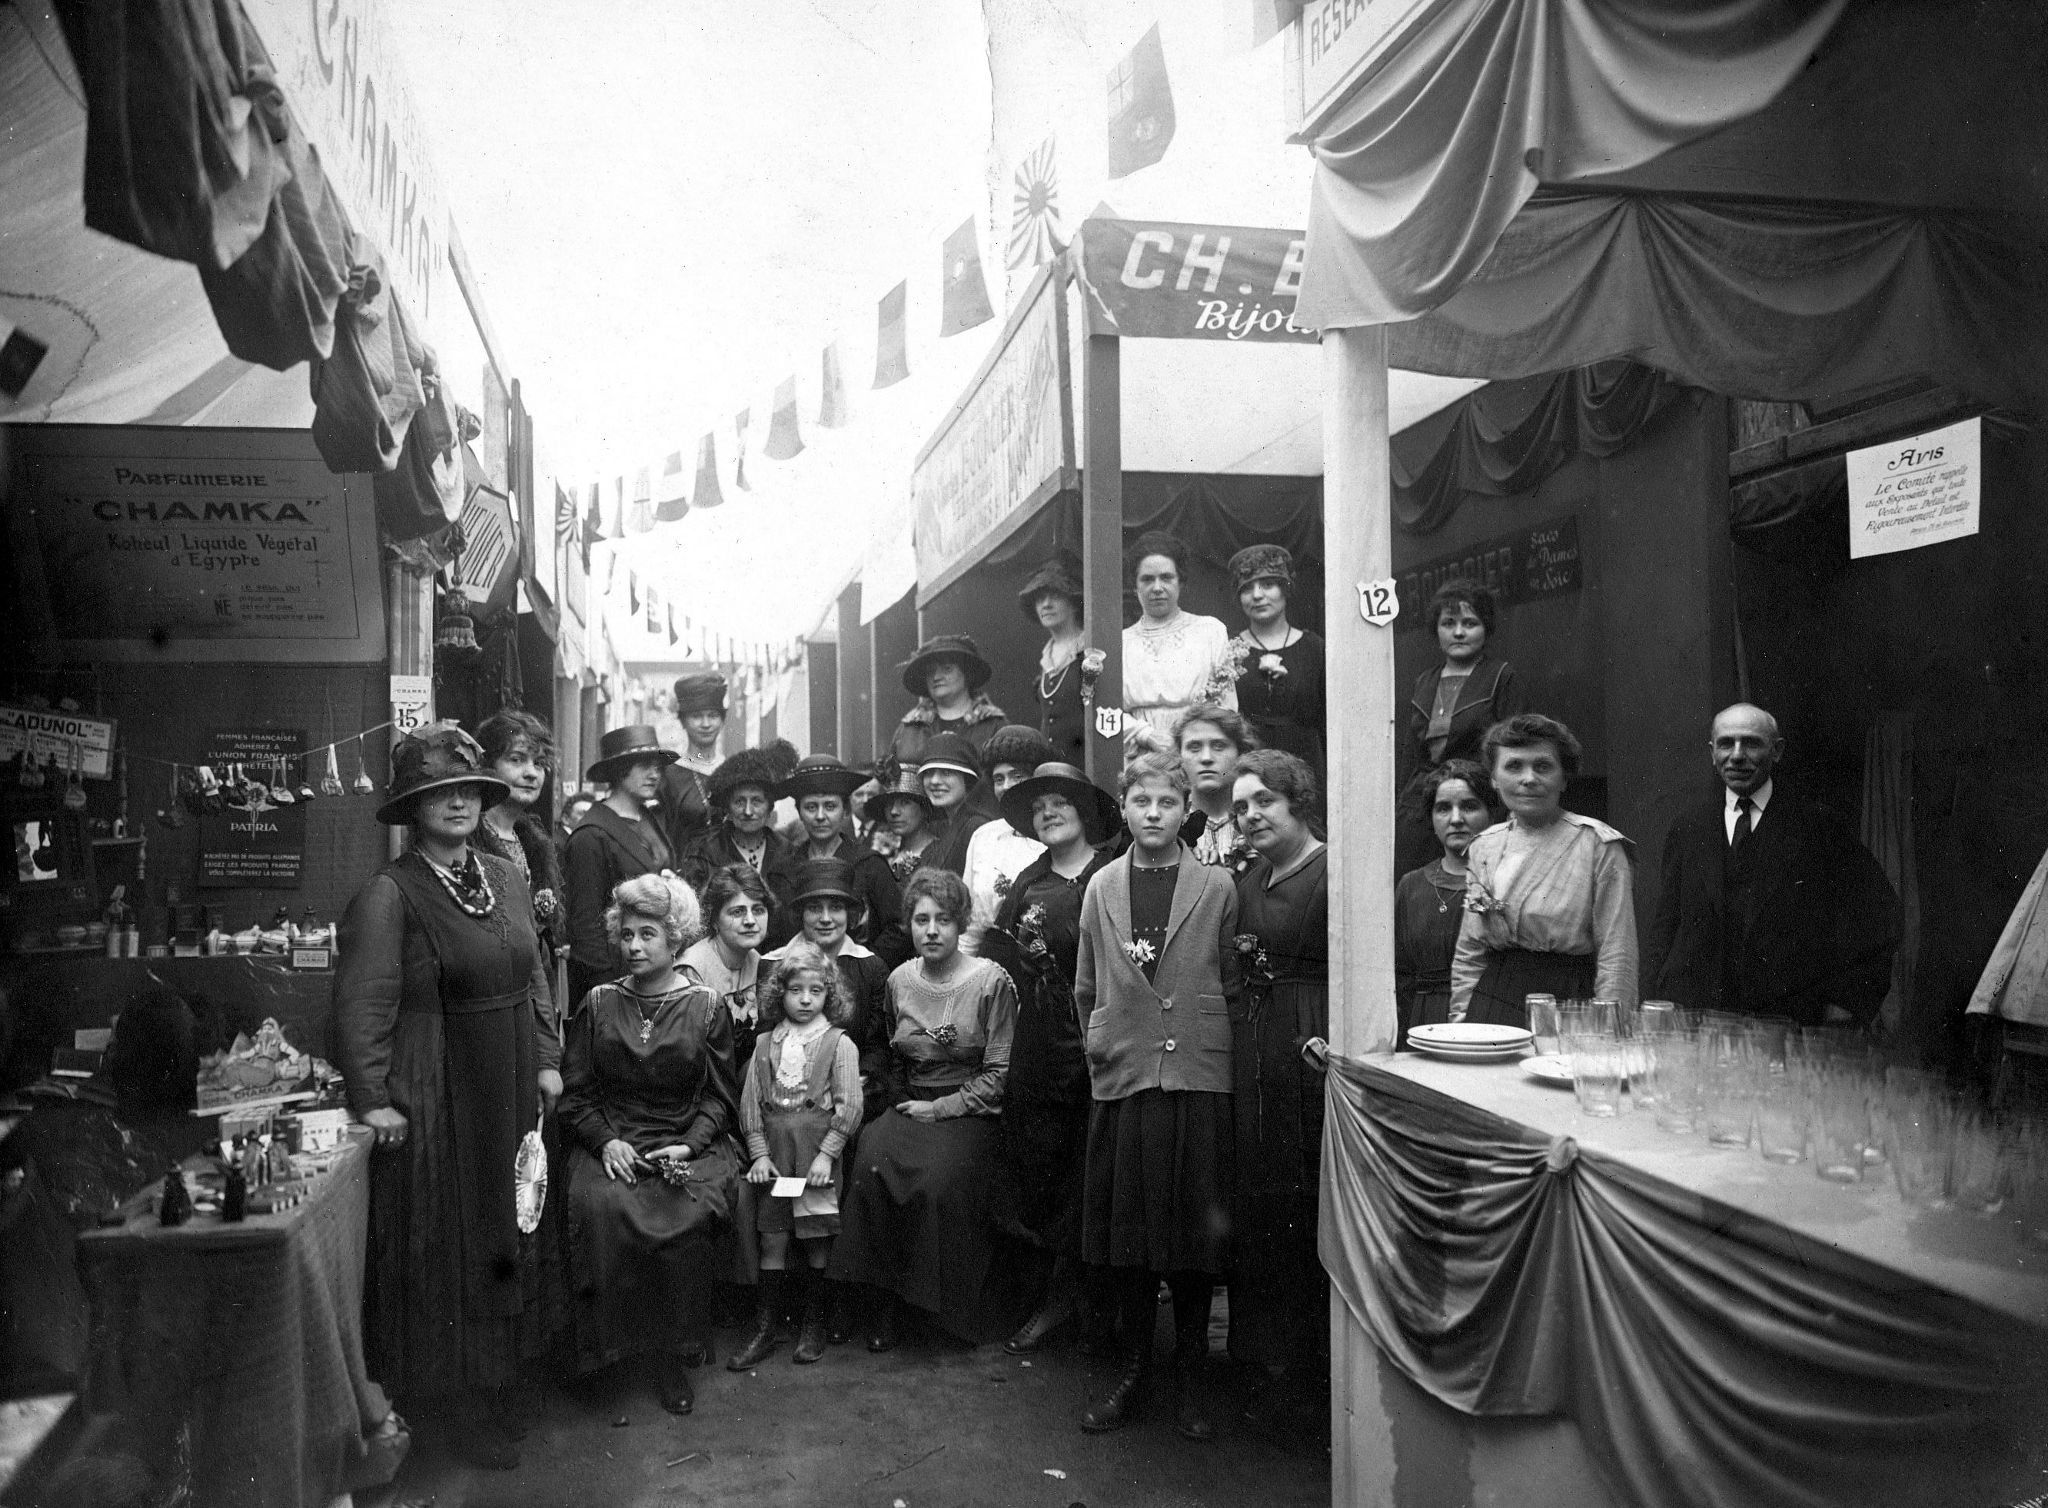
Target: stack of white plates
[(1471, 1042)]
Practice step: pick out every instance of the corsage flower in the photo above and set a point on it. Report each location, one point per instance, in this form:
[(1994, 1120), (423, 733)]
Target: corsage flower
[(1271, 664), (1479, 900), (1140, 951)]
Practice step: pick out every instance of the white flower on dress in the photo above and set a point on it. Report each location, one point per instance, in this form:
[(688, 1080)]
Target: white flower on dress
[(1141, 951), (1270, 662)]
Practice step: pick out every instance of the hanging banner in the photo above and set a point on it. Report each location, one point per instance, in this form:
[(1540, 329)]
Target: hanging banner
[(261, 844), (1007, 446), (1169, 281), (1916, 492), (210, 545)]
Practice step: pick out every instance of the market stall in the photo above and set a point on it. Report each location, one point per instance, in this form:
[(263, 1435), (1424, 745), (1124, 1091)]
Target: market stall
[(1794, 270)]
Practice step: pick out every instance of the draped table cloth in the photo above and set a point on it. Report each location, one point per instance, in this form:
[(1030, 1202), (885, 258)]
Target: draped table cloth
[(255, 1329), (1721, 1330)]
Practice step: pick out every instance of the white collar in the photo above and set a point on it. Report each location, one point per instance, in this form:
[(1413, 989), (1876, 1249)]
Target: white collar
[(1758, 798)]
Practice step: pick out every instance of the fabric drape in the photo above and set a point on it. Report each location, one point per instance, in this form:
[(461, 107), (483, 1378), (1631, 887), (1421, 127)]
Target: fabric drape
[(1503, 440), (1505, 1274), (1422, 170), (1754, 299)]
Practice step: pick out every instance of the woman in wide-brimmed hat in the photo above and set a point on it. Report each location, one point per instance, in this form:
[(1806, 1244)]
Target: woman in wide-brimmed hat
[(617, 839), (445, 1036), (1037, 936), (1051, 598), (822, 787), (945, 677), (904, 818), (686, 813), (742, 793)]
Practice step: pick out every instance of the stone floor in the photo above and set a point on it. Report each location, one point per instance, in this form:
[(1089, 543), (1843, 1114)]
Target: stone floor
[(932, 1425)]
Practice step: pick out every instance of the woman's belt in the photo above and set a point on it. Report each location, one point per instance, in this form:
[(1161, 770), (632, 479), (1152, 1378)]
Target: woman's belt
[(466, 1005)]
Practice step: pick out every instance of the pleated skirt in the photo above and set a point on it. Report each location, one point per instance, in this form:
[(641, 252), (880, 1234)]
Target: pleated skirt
[(1156, 1191)]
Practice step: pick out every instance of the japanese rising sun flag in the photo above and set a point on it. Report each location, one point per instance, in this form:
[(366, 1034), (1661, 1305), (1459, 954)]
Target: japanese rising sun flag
[(1035, 211)]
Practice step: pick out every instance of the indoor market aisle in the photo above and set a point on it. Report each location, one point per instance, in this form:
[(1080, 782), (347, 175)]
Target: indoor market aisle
[(932, 1425)]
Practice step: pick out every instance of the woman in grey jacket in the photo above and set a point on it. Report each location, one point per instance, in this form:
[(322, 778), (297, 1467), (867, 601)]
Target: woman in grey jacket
[(1154, 981)]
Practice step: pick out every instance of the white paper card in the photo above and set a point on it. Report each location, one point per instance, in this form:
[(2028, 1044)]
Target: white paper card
[(787, 1188), (1921, 491)]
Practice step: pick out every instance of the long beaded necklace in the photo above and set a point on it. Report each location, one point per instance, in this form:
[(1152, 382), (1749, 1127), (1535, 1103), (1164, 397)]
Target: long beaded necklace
[(469, 887)]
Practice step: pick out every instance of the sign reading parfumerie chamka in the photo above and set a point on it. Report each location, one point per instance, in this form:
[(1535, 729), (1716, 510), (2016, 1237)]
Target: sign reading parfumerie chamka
[(1915, 492), (211, 545)]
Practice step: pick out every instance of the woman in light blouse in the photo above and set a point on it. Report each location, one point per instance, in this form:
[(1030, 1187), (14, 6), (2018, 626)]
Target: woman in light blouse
[(915, 1227), (1549, 904)]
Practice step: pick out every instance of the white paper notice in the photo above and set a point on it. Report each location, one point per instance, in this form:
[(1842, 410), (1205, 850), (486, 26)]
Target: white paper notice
[(786, 1188), (1910, 493)]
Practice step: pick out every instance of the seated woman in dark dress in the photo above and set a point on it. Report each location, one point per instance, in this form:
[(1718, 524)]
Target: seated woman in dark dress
[(916, 1227), (649, 1096), (1429, 903), (1035, 937)]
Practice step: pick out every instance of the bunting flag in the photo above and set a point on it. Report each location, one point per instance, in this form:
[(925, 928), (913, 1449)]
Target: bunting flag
[(640, 517), (672, 496), (707, 493), (966, 290), (611, 572), (565, 518), (892, 351), (593, 521), (671, 623), (653, 599), (1035, 211), (740, 421), (831, 391), (784, 443), (632, 592), (1140, 108), (615, 525), (20, 354)]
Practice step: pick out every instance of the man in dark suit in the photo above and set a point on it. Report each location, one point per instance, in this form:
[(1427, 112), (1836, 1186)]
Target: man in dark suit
[(1768, 905)]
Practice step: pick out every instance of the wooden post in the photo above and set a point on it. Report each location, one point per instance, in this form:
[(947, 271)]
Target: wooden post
[(1358, 547), (1102, 537)]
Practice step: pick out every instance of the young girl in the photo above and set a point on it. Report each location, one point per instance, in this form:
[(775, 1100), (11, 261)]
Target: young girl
[(1155, 973), (798, 1110)]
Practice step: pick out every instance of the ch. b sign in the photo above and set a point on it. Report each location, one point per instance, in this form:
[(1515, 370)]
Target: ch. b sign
[(1921, 491)]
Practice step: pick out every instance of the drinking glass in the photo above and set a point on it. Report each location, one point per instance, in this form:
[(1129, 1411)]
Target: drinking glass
[(2030, 1181), (1979, 1164), (1597, 1072), (1680, 1098), (1841, 1125), (1782, 1112), (1543, 1022), (1730, 1102), (1920, 1120)]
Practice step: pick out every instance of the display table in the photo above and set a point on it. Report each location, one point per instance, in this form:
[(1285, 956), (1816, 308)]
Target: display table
[(255, 1330), (1721, 1330)]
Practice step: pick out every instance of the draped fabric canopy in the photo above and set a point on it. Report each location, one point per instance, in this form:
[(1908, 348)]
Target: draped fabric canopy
[(1795, 226), (1503, 440), (1708, 1357), (1424, 167)]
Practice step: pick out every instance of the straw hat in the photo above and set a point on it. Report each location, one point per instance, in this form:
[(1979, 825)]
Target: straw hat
[(818, 879), (436, 756), (951, 751), (822, 775), (906, 789)]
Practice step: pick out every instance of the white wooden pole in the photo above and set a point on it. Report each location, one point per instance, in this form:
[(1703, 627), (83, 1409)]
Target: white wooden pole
[(1358, 548)]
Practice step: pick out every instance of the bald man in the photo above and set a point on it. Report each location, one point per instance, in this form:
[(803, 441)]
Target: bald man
[(1769, 906)]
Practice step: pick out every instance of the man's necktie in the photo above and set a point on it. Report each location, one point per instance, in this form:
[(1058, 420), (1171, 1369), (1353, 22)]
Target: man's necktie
[(1743, 825)]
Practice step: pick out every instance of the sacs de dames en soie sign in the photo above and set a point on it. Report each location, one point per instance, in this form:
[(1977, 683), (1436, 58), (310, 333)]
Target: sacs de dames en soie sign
[(1005, 448), (1164, 280), (208, 545), (1921, 491)]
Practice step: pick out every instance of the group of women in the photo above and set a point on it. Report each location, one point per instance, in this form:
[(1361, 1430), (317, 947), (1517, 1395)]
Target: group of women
[(976, 1101)]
